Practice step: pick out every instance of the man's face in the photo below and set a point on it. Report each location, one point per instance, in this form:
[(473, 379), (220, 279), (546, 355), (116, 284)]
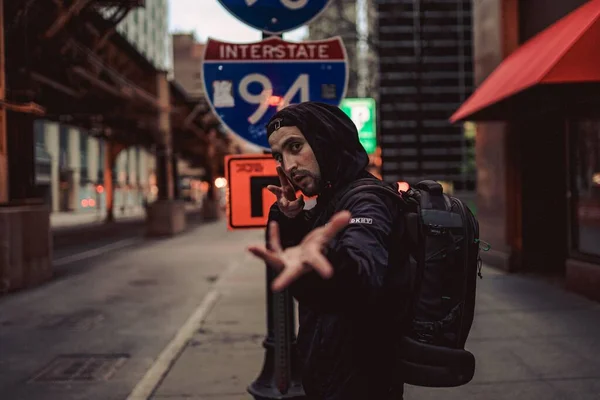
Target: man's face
[(296, 157)]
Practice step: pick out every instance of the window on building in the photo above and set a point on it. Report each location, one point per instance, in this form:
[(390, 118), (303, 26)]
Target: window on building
[(101, 151), (137, 166), (585, 183), (38, 128), (63, 147), (83, 152)]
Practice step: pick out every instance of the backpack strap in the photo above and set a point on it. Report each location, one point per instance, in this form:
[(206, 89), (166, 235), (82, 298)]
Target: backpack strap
[(364, 184), (409, 206)]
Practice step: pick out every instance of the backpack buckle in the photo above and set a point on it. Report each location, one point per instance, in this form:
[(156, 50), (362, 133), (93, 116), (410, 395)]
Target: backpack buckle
[(435, 230)]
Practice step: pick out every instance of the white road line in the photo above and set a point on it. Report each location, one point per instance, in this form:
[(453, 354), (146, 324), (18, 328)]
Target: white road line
[(94, 252), (154, 376)]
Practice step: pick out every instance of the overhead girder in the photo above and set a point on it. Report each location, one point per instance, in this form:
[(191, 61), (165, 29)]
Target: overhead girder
[(114, 12), (87, 76)]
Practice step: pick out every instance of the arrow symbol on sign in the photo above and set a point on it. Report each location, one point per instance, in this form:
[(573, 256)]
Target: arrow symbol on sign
[(250, 3)]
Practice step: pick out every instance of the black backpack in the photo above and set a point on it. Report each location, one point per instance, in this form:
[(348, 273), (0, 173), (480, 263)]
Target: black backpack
[(442, 238)]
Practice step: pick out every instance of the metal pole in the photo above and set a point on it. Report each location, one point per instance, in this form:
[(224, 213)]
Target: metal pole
[(418, 43), (3, 150), (165, 140), (109, 193), (462, 87), (362, 30), (279, 377)]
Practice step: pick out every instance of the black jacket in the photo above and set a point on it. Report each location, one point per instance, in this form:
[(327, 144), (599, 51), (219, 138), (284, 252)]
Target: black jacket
[(345, 334)]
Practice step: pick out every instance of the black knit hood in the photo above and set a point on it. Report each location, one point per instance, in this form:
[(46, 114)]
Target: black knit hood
[(332, 136)]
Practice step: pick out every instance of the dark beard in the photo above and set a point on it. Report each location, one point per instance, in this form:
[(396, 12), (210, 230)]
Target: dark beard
[(316, 180), (316, 191)]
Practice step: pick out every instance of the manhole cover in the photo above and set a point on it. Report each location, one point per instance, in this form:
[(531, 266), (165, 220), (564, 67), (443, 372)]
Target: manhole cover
[(81, 368), (83, 320)]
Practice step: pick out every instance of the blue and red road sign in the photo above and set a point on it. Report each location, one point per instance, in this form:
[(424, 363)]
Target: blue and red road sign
[(246, 84), (275, 16)]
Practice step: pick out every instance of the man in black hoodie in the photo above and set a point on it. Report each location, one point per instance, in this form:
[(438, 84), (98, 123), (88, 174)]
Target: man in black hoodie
[(334, 262)]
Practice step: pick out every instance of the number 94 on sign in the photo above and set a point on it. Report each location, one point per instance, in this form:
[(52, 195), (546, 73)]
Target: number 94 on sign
[(247, 105)]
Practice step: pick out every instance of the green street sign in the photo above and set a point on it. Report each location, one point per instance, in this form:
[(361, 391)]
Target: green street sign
[(363, 113)]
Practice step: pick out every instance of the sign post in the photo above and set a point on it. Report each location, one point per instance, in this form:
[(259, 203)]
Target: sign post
[(246, 84), (248, 207)]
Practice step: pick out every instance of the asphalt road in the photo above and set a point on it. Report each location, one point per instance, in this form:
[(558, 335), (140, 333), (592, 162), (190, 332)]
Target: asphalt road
[(114, 305)]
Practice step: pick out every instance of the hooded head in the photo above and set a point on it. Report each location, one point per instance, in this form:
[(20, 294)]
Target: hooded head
[(331, 154)]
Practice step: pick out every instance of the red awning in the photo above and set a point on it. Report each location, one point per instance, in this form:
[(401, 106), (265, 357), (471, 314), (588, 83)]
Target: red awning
[(565, 52)]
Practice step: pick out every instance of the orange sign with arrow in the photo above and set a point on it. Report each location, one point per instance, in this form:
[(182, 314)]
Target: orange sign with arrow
[(248, 200)]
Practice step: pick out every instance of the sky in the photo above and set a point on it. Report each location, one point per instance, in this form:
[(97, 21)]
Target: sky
[(207, 18)]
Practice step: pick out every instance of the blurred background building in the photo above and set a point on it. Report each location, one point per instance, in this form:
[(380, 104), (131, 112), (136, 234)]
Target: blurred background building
[(70, 161), (147, 28), (426, 72), (355, 22), (538, 144), (188, 55)]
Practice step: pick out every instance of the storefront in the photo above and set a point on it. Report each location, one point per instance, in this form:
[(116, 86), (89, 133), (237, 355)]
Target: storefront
[(537, 113), (584, 214)]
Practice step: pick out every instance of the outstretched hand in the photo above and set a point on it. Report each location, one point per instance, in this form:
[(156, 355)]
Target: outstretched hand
[(296, 261), (287, 202)]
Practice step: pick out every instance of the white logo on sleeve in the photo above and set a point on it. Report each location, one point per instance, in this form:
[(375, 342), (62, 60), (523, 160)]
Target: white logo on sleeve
[(361, 221)]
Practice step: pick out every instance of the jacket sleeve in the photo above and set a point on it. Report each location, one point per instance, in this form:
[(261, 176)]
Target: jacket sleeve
[(291, 230), (359, 256)]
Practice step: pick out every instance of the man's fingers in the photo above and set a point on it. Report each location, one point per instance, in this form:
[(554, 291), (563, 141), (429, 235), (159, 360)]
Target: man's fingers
[(274, 242), (322, 265), (283, 179), (276, 190), (268, 256), (287, 276), (286, 186), (284, 203), (289, 193), (338, 222)]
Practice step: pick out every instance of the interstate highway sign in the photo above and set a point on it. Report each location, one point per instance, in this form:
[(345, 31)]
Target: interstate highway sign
[(275, 16), (246, 84)]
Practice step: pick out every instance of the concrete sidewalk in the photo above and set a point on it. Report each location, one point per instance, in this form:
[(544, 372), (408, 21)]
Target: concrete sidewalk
[(65, 220), (96, 329), (225, 355), (71, 219), (531, 340)]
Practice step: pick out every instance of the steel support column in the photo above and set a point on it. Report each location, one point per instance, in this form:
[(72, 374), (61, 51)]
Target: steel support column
[(165, 216), (21, 157), (165, 147), (175, 177), (111, 152), (3, 148)]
